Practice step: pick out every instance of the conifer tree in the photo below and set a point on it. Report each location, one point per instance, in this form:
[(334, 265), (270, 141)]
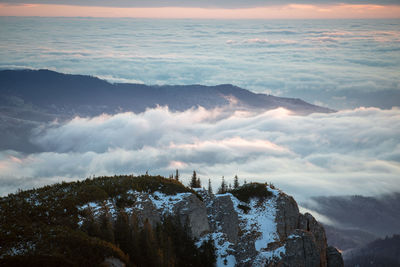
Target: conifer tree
[(236, 182), (177, 175), (195, 182), (223, 188), (209, 187)]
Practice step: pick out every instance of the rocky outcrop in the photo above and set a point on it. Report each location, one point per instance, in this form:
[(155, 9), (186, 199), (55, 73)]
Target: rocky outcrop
[(193, 211), (145, 210), (305, 238), (188, 207), (226, 217), (287, 215), (301, 250), (334, 258), (260, 232), (308, 223)]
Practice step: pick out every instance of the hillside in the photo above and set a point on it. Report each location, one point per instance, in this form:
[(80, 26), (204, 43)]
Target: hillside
[(31, 98), (153, 221), (64, 94), (378, 216), (384, 252)]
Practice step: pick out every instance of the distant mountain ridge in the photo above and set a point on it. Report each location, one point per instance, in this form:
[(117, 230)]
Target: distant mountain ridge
[(359, 223), (69, 94), (31, 98)]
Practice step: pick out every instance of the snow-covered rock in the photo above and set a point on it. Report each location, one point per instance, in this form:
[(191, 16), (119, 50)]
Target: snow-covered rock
[(260, 232)]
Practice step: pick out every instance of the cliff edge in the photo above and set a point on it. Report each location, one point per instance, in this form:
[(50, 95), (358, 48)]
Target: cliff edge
[(252, 225)]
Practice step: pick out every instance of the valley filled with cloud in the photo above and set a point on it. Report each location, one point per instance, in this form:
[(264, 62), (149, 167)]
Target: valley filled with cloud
[(348, 152)]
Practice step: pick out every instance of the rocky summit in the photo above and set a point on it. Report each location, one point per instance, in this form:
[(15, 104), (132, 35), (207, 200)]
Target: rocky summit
[(252, 225)]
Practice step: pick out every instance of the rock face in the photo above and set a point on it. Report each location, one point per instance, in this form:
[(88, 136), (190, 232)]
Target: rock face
[(301, 250), (193, 211), (259, 232), (287, 215), (188, 207), (226, 217), (308, 223), (334, 258)]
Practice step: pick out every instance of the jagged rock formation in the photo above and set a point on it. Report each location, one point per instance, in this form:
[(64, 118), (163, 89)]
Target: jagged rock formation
[(333, 257), (262, 232), (253, 225)]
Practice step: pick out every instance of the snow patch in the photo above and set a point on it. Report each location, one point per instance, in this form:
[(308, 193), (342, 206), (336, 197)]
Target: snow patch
[(165, 202), (223, 249), (260, 217)]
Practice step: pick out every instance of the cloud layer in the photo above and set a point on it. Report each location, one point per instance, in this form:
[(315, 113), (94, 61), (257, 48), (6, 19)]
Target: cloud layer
[(339, 63), (353, 151)]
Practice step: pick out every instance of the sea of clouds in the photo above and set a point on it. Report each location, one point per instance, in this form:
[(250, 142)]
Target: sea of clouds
[(336, 63), (343, 64), (348, 152)]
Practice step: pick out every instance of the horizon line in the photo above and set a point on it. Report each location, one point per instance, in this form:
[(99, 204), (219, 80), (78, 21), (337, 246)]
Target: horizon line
[(276, 12)]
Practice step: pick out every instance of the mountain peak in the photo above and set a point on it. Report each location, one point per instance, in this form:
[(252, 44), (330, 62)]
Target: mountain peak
[(253, 225)]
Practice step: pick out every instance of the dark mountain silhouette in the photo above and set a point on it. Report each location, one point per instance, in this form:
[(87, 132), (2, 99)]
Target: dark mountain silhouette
[(359, 223), (377, 215), (381, 252), (87, 96), (29, 98)]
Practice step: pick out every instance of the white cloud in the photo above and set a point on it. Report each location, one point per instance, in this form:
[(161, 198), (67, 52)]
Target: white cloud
[(291, 58), (348, 152)]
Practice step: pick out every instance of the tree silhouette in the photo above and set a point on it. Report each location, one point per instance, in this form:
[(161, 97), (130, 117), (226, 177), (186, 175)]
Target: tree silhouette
[(223, 188), (236, 182), (195, 182)]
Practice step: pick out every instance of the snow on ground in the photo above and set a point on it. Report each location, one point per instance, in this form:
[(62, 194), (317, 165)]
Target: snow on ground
[(260, 218), (161, 201), (165, 202), (96, 208), (20, 248), (223, 249)]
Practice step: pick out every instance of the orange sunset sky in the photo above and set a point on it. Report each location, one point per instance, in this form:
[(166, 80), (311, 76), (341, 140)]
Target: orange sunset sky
[(286, 11)]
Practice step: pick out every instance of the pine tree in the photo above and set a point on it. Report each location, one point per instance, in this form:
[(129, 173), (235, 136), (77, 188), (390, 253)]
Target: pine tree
[(223, 188), (236, 182), (195, 182), (177, 175), (209, 187)]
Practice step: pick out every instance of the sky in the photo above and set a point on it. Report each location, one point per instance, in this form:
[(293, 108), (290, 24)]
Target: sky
[(223, 9)]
